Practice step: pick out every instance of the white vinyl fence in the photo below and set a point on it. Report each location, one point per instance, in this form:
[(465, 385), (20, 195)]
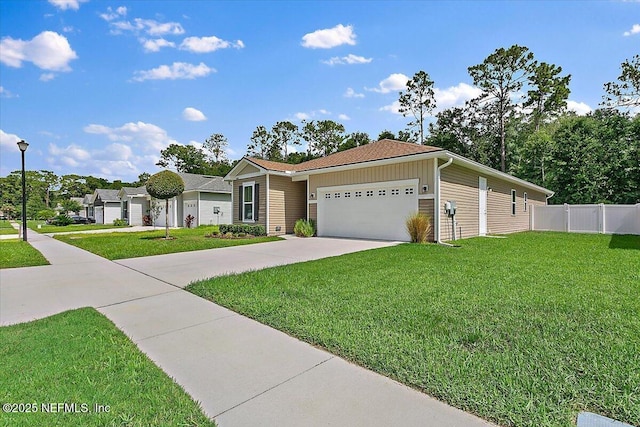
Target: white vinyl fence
[(607, 219)]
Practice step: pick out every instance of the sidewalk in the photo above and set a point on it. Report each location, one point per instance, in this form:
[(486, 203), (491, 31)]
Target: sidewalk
[(243, 373)]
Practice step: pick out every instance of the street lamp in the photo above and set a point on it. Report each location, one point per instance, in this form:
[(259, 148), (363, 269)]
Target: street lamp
[(22, 145)]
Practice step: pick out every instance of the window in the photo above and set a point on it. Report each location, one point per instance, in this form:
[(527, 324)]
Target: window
[(513, 202), (382, 192), (526, 200), (337, 195), (125, 209), (358, 193), (247, 202), (408, 191), (327, 196), (369, 193), (347, 194), (395, 192)]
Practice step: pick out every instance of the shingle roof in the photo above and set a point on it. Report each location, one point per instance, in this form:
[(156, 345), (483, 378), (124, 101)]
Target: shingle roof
[(107, 195), (134, 191), (205, 183), (380, 150)]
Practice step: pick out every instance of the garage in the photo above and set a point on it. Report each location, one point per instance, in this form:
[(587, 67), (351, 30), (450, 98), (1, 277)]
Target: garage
[(367, 211)]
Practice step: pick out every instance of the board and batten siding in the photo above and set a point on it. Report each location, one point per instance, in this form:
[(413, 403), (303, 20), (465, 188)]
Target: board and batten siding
[(425, 206), (461, 185), (287, 203), (262, 200), (421, 169)]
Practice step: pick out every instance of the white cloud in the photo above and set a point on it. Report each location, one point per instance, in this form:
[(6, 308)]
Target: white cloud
[(208, 44), (323, 111), (111, 14), (394, 107), (67, 4), (455, 96), (330, 37), (178, 70), (350, 93), (580, 108), (48, 51), (635, 29), (9, 141), (344, 117), (154, 45), (302, 116), (349, 59), (5, 93), (193, 115), (145, 136), (149, 26), (68, 29), (394, 82), (45, 77)]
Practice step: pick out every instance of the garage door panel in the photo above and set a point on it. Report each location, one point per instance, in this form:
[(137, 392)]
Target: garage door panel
[(372, 211)]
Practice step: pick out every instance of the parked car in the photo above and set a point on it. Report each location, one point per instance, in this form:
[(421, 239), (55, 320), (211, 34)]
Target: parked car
[(77, 219)]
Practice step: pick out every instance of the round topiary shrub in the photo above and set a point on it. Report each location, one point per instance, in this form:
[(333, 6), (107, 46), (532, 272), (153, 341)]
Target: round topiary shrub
[(165, 185)]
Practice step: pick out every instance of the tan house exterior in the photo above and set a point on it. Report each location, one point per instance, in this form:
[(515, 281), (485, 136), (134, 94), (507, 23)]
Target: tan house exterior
[(368, 192)]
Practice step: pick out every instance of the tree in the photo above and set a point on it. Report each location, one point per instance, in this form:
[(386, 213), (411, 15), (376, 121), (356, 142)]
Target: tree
[(501, 75), (71, 206), (356, 139), (418, 100), (283, 135), (548, 94), (184, 158), (217, 144), (626, 91), (165, 185), (386, 134), (323, 136), (261, 143)]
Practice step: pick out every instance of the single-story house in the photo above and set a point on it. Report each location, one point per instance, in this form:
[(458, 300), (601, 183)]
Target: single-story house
[(369, 191), (87, 203), (106, 206), (206, 198)]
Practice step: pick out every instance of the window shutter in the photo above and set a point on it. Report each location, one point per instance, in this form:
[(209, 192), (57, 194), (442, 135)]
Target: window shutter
[(256, 201), (240, 216)]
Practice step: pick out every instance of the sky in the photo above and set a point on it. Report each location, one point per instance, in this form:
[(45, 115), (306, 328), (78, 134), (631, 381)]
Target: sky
[(100, 88)]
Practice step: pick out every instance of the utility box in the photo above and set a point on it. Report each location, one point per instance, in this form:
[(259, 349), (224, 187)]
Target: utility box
[(450, 207)]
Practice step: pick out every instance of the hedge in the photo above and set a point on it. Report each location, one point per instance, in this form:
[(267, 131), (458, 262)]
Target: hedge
[(255, 230)]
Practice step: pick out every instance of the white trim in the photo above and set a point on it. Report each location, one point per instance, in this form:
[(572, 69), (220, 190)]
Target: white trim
[(267, 209), (197, 210), (252, 185), (250, 175), (437, 199), (426, 196), (311, 202), (368, 185), (483, 186)]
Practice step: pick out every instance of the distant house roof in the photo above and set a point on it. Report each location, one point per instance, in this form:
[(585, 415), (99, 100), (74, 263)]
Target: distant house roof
[(208, 183), (133, 191), (107, 195), (380, 150), (79, 200), (88, 199)]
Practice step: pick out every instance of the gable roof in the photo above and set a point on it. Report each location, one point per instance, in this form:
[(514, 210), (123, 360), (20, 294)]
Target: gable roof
[(106, 195), (209, 183), (133, 191)]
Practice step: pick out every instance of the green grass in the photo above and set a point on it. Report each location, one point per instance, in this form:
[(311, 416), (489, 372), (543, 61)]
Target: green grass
[(17, 253), (81, 357), (523, 331), (45, 228), (6, 228), (145, 243)]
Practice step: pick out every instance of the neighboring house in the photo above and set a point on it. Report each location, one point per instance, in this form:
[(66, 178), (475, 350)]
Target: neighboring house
[(135, 203), (81, 212), (87, 203), (369, 191), (106, 206), (207, 198)]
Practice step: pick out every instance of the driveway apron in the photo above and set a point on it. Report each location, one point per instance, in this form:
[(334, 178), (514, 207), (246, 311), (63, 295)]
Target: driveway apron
[(243, 373)]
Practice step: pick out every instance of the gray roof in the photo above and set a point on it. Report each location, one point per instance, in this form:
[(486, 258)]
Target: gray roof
[(88, 199), (79, 200), (134, 191), (209, 183), (107, 195)]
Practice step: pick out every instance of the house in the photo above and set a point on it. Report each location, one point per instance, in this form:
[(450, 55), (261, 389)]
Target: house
[(369, 191), (82, 212), (206, 198), (106, 206), (87, 204)]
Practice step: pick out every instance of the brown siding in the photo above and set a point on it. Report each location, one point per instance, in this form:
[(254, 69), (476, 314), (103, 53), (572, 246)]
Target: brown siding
[(262, 208), (287, 203), (461, 184), (422, 169), (425, 206), (313, 212)]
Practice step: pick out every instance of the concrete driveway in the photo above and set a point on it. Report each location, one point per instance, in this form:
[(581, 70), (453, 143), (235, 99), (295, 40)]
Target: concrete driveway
[(242, 372)]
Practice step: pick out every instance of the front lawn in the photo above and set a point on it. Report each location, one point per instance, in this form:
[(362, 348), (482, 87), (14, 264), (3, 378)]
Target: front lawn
[(46, 228), (18, 253), (81, 359), (6, 228), (522, 331), (146, 243)]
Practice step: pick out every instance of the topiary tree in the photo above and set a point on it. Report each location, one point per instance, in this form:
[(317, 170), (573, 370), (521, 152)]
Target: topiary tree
[(165, 185)]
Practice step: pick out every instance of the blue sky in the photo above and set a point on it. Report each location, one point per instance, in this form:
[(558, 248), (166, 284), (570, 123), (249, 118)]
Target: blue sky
[(100, 87)]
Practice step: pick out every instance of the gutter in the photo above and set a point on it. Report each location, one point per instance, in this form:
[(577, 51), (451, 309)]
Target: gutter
[(437, 200)]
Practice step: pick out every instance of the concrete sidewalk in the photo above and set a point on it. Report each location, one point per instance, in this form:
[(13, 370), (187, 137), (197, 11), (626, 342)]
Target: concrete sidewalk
[(243, 373)]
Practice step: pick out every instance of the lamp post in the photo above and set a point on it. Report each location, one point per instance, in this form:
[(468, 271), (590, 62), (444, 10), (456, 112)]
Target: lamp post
[(22, 145)]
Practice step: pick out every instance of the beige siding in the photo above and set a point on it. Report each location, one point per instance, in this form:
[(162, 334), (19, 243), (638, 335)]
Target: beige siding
[(461, 184), (287, 203), (313, 212), (247, 169), (262, 209), (425, 206), (422, 169)]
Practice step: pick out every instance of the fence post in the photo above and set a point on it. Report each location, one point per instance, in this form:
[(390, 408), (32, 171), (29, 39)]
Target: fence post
[(567, 222)]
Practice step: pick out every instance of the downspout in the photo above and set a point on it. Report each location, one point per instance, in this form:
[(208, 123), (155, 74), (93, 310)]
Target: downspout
[(437, 201)]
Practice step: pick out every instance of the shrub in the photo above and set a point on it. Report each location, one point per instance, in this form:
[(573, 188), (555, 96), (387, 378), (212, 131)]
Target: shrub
[(61, 220), (119, 222), (304, 228), (189, 220), (146, 220), (256, 230), (419, 227), (46, 214)]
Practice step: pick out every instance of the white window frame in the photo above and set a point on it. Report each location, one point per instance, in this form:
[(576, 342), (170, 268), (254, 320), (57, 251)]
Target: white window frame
[(514, 199), (526, 200), (251, 185)]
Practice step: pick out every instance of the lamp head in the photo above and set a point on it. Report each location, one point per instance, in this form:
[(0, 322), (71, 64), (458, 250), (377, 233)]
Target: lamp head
[(22, 145)]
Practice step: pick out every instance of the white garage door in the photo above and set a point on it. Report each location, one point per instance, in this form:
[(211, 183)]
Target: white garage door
[(99, 214), (368, 211)]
